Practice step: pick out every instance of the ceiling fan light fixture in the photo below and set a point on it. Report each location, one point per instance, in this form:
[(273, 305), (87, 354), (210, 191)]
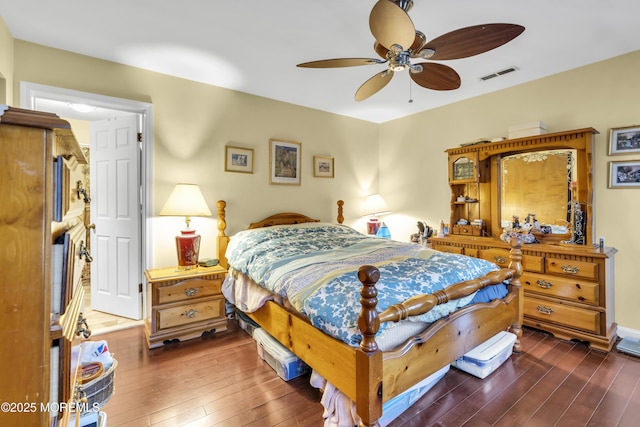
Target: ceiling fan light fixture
[(405, 5), (415, 68)]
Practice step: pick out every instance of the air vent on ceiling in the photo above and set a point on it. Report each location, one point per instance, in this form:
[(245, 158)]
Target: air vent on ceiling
[(499, 73)]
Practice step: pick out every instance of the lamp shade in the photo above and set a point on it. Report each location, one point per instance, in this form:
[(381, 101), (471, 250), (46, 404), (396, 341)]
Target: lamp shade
[(186, 200), (374, 204)]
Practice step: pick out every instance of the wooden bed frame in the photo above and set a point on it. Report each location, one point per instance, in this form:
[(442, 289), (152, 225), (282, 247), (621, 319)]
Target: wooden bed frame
[(367, 375)]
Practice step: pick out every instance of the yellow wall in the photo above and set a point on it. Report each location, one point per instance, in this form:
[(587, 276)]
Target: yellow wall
[(6, 64), (193, 122), (413, 169)]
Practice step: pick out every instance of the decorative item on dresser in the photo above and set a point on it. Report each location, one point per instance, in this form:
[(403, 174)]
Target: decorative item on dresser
[(184, 304), (44, 252), (186, 200), (568, 282)]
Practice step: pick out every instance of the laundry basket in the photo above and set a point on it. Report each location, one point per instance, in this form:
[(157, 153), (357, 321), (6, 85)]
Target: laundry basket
[(99, 391)]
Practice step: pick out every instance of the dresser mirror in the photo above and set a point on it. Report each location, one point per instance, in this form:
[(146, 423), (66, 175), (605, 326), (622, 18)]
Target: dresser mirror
[(546, 179), (537, 186)]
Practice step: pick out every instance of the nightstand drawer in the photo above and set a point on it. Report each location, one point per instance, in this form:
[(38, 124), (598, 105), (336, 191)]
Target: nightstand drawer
[(186, 290), (573, 317), (588, 270), (555, 286), (186, 314)]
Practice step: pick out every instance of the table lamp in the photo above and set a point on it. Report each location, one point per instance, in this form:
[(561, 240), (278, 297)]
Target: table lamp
[(186, 200), (373, 206)]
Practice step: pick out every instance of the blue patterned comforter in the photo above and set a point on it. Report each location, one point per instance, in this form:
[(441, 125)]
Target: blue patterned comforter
[(315, 267)]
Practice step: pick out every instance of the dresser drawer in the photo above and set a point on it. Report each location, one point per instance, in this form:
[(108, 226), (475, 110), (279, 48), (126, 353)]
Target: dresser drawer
[(562, 287), (501, 257), (449, 249), (186, 314), (573, 317), (587, 270), (188, 289)]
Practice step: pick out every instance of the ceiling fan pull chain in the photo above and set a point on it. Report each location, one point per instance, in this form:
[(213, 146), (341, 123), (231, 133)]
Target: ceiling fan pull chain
[(410, 96)]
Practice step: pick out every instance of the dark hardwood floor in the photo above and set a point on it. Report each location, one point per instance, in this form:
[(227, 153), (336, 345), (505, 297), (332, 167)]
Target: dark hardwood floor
[(221, 381)]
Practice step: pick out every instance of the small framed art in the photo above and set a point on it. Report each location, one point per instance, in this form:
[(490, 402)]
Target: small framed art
[(285, 162), (323, 166), (624, 174), (238, 159), (624, 140)]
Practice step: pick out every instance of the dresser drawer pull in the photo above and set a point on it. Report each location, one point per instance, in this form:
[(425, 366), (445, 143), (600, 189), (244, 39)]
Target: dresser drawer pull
[(82, 327), (570, 269), (544, 284), (544, 309), (191, 313), (191, 292), (499, 259), (82, 193), (84, 252)]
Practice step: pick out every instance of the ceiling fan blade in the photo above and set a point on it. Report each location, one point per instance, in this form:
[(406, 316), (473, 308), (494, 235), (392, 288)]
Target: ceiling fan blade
[(340, 62), (373, 85), (436, 76), (391, 25), (470, 41), (380, 50)]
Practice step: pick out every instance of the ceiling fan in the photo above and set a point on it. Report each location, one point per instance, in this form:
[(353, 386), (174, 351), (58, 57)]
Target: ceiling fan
[(398, 42)]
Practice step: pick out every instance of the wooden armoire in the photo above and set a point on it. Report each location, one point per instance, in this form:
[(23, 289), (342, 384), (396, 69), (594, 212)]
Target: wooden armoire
[(44, 250)]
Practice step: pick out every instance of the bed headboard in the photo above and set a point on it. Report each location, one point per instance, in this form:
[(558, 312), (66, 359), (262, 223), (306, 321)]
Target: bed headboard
[(284, 218), (277, 219)]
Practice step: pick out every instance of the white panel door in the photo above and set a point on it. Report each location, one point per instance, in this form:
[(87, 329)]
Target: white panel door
[(115, 210)]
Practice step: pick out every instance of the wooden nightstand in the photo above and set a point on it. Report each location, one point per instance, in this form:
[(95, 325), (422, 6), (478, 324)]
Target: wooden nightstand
[(184, 304)]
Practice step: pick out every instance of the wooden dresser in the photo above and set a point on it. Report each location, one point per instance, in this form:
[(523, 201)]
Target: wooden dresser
[(541, 183), (43, 254), (569, 289), (184, 304)]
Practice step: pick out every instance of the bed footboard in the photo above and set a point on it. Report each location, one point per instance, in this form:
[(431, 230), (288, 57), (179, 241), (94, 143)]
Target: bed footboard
[(442, 343)]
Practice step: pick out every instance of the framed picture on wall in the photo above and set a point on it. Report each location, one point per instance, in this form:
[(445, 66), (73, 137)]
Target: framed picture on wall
[(285, 162), (323, 166), (238, 159), (624, 174), (624, 140)]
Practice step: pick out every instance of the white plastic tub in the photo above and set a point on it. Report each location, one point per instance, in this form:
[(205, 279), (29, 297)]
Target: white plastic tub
[(488, 356), (286, 364)]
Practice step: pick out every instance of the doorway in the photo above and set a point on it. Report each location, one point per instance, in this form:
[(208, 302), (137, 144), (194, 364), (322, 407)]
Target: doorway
[(100, 108)]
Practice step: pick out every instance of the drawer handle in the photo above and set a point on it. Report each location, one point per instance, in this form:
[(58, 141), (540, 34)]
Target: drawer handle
[(499, 259), (544, 309), (570, 269), (191, 313), (544, 284), (191, 292), (82, 327), (82, 193), (84, 252)]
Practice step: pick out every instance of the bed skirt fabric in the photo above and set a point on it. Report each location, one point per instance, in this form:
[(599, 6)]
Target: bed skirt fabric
[(340, 411)]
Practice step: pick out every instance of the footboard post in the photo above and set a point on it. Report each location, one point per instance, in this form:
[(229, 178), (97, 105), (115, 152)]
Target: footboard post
[(369, 356), (516, 265)]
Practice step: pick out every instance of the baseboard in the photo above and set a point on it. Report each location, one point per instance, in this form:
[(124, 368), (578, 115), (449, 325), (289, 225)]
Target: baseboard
[(628, 332)]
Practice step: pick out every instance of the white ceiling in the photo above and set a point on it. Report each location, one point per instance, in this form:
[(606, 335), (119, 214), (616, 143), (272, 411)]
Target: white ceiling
[(253, 46)]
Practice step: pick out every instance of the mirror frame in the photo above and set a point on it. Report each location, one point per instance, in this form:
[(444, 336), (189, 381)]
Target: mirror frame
[(581, 140)]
